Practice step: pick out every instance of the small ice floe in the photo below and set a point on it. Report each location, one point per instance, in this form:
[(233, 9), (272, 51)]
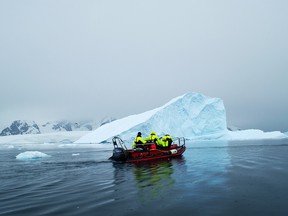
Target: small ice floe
[(10, 146), (75, 154), (7, 146), (31, 155)]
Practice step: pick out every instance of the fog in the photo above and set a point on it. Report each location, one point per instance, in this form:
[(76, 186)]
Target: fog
[(91, 59)]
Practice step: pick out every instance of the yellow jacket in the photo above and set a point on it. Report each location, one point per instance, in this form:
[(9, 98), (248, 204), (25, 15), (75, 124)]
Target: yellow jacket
[(153, 138), (138, 140), (166, 140)]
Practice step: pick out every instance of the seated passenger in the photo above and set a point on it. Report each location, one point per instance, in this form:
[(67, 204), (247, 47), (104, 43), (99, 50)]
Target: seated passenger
[(167, 141), (138, 142), (153, 138)]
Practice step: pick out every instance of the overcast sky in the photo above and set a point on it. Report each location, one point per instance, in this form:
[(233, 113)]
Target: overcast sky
[(91, 58)]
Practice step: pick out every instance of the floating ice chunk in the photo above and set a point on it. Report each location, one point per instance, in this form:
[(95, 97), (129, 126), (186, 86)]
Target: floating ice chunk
[(75, 154), (31, 155)]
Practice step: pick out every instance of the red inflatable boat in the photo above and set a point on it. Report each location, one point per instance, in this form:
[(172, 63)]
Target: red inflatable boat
[(147, 152)]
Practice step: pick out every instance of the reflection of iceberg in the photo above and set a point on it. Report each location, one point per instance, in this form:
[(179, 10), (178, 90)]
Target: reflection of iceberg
[(31, 155), (205, 167)]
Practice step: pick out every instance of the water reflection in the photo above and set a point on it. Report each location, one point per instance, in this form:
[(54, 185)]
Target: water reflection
[(153, 179), (153, 173), (119, 172)]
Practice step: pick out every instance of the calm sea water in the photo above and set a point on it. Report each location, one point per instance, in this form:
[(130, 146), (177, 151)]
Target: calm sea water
[(211, 178)]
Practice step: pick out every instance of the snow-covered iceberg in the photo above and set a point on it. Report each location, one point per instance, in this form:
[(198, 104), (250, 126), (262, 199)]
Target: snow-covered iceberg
[(253, 134), (31, 155), (191, 115)]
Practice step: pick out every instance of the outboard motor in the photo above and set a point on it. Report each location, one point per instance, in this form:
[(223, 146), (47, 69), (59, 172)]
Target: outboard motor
[(119, 153)]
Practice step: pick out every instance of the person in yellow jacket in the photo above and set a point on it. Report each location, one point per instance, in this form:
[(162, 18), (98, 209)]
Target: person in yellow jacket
[(167, 141), (153, 138), (138, 142)]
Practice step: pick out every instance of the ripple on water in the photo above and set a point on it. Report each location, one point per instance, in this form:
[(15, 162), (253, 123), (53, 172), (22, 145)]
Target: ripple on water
[(237, 179)]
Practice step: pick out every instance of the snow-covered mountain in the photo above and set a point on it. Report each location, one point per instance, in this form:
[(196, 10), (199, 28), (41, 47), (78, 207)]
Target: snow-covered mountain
[(190, 115), (31, 127), (106, 120), (68, 126), (21, 127)]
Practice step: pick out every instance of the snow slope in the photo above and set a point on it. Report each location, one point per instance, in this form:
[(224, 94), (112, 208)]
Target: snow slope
[(56, 137), (47, 141)]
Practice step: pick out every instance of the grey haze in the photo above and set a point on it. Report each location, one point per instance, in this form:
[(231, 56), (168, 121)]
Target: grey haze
[(91, 59)]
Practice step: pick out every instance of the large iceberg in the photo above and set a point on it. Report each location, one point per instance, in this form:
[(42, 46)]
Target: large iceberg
[(192, 115)]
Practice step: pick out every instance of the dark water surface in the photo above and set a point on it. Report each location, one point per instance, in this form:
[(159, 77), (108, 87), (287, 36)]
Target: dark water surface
[(212, 178)]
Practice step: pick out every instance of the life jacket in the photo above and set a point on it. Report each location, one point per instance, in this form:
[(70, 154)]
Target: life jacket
[(139, 140), (167, 140), (152, 139)]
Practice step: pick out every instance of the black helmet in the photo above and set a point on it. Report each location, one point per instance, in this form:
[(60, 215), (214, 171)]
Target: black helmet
[(139, 134)]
